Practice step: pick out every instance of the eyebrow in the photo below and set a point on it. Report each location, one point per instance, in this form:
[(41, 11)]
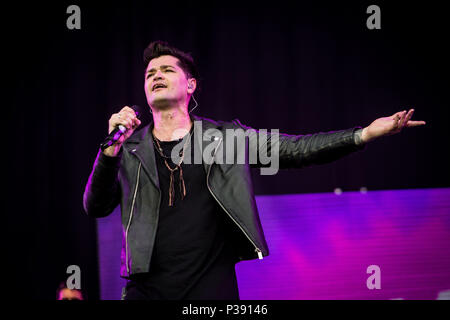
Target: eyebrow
[(162, 67)]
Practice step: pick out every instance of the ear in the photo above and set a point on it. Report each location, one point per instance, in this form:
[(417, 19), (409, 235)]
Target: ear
[(192, 85)]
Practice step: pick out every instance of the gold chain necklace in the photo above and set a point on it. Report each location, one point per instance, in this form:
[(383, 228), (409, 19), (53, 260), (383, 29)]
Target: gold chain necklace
[(172, 170)]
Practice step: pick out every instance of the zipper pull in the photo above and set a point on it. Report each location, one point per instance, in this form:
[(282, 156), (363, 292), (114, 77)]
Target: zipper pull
[(260, 255)]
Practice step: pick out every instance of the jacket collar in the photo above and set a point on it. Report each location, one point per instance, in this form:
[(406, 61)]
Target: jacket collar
[(141, 144)]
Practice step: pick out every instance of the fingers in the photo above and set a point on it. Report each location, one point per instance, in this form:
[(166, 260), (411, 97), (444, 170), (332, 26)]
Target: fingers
[(399, 114), (130, 117), (396, 118), (415, 123), (408, 123), (407, 117), (401, 122), (120, 119), (126, 117), (127, 109), (402, 119)]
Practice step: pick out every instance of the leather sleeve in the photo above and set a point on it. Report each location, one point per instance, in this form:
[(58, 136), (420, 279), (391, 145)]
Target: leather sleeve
[(102, 192), (297, 151)]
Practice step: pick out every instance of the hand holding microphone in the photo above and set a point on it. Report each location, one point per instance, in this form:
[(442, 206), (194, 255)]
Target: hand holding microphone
[(121, 127)]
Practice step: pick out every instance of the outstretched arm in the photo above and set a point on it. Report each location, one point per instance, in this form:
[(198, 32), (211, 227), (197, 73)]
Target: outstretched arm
[(389, 125), (297, 151)]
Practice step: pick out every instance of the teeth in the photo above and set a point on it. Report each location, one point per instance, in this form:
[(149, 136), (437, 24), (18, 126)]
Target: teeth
[(158, 86)]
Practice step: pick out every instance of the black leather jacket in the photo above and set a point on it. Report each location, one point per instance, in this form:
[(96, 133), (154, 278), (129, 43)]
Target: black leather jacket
[(131, 180)]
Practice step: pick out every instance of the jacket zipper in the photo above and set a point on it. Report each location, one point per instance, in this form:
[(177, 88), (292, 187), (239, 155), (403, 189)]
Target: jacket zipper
[(130, 217), (257, 250)]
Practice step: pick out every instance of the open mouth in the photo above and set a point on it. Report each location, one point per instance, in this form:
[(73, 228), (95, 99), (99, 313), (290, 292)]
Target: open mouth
[(158, 86)]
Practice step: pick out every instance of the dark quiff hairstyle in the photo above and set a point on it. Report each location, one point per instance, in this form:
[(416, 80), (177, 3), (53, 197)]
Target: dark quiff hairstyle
[(161, 48)]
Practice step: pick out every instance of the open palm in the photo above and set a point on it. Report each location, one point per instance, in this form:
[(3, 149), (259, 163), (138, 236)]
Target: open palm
[(390, 125)]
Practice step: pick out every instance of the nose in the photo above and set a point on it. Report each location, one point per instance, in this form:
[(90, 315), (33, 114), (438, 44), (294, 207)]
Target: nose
[(158, 75)]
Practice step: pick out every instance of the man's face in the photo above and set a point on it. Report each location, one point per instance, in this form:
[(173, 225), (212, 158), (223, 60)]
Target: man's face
[(165, 82)]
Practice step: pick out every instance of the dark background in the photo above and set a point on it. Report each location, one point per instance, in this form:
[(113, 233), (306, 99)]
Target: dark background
[(296, 66)]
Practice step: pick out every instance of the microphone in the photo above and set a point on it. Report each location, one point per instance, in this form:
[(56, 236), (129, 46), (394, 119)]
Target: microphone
[(115, 135)]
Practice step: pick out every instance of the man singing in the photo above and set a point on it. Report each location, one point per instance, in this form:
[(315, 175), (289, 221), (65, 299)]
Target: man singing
[(187, 223)]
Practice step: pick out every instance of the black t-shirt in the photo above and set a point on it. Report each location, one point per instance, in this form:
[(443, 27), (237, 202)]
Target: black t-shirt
[(193, 257)]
